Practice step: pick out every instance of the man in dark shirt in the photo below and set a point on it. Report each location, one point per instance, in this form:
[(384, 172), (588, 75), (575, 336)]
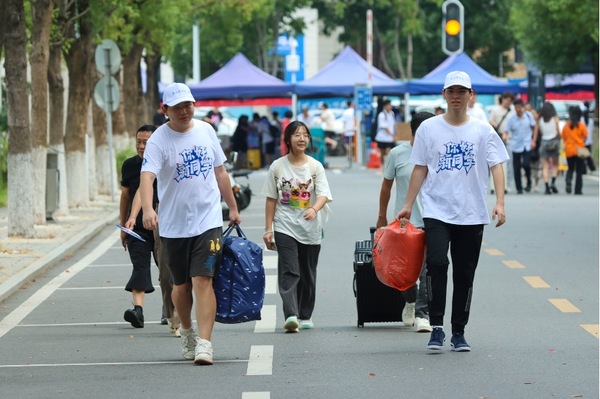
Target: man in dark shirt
[(140, 282)]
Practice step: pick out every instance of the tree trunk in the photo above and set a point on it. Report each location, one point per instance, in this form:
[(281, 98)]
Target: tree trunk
[(121, 137), (152, 72), (57, 124), (133, 88), (41, 11), (20, 182), (79, 56)]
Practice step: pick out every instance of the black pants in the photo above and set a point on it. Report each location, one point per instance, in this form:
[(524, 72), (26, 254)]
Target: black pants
[(464, 242), (297, 275), (576, 165), (140, 253), (522, 160)]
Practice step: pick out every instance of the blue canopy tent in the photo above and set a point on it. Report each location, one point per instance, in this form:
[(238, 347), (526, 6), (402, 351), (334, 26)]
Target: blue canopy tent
[(482, 81), (240, 79), (338, 78), (565, 83)]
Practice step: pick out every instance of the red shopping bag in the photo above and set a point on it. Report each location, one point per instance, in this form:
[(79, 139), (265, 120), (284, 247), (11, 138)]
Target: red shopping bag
[(398, 254)]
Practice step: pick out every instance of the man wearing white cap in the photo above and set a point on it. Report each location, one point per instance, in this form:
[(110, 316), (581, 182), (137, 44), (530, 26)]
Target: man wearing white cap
[(186, 159), (452, 154)]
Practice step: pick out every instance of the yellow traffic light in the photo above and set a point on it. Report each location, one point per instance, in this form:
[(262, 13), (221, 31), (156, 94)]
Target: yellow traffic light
[(453, 27)]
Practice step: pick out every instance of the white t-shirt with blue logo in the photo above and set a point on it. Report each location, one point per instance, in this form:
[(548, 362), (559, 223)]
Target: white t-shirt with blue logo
[(458, 159), (188, 193)]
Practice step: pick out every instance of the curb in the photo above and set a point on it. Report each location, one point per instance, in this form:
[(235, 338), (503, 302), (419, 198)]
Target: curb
[(51, 259)]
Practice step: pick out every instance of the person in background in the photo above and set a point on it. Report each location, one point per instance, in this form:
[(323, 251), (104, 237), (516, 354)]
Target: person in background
[(186, 160), (475, 109), (287, 119), (453, 154), (498, 118), (239, 140), (536, 158), (140, 253), (303, 117), (349, 129), (439, 110), (574, 134), (267, 139), (386, 130), (548, 129), (589, 123), (328, 121), (399, 168), (159, 117), (520, 130), (293, 224), (276, 133)]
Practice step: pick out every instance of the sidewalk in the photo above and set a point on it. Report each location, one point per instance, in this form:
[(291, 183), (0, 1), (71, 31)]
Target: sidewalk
[(21, 259)]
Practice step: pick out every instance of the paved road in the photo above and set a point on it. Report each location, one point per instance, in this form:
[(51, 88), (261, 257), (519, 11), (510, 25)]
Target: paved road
[(534, 325)]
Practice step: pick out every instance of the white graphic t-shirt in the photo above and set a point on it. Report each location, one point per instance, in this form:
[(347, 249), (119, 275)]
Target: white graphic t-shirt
[(190, 200), (296, 189), (458, 159)]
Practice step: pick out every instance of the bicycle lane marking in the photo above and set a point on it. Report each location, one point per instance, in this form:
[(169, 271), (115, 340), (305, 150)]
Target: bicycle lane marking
[(29, 305)]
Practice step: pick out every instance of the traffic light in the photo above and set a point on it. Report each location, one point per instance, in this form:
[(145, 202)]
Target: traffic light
[(452, 27)]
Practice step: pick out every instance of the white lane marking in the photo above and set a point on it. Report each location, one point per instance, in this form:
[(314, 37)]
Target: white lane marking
[(270, 284), (186, 362), (261, 360), (268, 320), (270, 262), (17, 315), (256, 395)]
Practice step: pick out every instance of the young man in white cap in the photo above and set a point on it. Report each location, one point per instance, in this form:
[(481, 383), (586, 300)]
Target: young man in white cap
[(186, 159), (452, 154)]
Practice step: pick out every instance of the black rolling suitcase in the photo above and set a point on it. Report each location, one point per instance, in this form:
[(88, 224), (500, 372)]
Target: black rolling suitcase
[(375, 301)]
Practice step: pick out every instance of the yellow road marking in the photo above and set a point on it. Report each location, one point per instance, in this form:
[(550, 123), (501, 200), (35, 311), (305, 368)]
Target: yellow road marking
[(513, 264), (591, 328), (564, 305), (494, 252), (536, 282)]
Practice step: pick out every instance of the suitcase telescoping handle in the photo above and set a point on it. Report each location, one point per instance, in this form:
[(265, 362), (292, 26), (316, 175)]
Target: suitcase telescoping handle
[(373, 230)]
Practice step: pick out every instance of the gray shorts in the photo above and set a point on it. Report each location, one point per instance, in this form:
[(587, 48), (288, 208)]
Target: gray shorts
[(193, 256)]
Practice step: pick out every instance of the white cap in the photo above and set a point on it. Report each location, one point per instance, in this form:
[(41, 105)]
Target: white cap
[(176, 93), (457, 78)]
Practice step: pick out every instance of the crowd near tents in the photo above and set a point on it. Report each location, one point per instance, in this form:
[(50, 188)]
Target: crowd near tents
[(240, 79)]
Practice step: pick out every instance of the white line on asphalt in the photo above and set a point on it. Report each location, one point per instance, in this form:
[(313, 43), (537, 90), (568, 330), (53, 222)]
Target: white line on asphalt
[(115, 265), (270, 262), (270, 284), (186, 362), (261, 360), (17, 315), (267, 321), (256, 395)]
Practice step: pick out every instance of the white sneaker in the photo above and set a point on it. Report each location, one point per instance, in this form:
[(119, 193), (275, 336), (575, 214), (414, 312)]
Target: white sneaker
[(291, 324), (188, 343), (306, 324), (422, 325), (204, 352), (408, 314)]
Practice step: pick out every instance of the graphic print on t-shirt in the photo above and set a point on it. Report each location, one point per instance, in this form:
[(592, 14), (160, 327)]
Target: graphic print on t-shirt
[(195, 162), (457, 156), (295, 193)]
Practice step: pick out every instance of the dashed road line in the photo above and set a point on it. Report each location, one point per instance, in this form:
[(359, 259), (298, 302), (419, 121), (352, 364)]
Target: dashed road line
[(513, 264), (268, 320), (536, 282), (564, 305), (494, 252), (591, 328), (261, 360), (256, 395)]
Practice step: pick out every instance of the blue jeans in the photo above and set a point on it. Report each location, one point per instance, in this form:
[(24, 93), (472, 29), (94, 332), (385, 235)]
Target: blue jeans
[(464, 242)]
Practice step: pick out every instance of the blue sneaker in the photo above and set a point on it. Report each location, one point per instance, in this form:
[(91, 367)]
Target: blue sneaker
[(458, 343), (436, 342)]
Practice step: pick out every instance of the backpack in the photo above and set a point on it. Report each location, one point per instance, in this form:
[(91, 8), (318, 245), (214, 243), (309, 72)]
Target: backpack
[(240, 284)]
